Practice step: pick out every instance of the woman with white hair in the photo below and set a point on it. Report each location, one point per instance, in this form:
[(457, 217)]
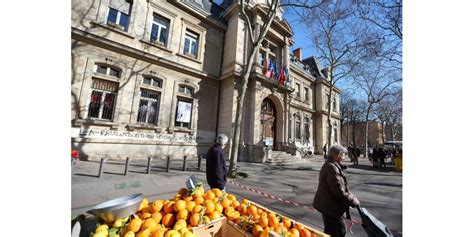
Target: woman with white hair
[(216, 169), (332, 197)]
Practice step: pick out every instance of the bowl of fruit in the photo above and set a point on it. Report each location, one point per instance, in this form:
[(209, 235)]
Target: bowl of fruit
[(117, 208)]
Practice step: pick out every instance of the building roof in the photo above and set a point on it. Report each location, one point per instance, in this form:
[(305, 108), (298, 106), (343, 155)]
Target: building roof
[(209, 7), (316, 68)]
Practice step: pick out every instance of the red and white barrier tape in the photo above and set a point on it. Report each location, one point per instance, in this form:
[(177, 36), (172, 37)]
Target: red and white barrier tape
[(353, 221), (270, 196)]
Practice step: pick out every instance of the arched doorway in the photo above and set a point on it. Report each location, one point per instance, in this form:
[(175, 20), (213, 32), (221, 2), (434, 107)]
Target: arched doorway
[(269, 123)]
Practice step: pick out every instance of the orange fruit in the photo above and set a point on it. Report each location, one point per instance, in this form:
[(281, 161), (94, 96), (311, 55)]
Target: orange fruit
[(263, 221), (151, 224), (169, 207), (183, 214), (286, 222), (252, 210), (197, 209), (245, 201), (144, 233), (209, 195), (188, 198), (147, 209), (210, 206), (265, 232), (231, 197), (172, 233), (299, 226), (168, 220), (233, 215), (295, 232), (273, 221), (194, 219), (219, 208), (256, 230), (217, 192), (179, 205), (228, 210), (177, 197), (190, 205), (198, 200), (145, 215), (271, 214), (182, 223), (159, 233), (214, 215), (305, 232), (135, 225), (225, 203), (157, 205), (143, 204), (157, 216), (235, 203)]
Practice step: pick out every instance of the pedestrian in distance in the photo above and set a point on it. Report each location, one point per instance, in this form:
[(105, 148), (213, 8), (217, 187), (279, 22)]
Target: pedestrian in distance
[(216, 169), (382, 156), (371, 152), (356, 152), (350, 153), (333, 197), (324, 152)]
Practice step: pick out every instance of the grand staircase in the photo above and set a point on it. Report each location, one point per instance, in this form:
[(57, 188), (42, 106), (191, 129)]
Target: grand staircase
[(284, 158)]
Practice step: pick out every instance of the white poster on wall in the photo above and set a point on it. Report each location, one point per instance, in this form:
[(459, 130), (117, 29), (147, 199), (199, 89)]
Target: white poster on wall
[(184, 112)]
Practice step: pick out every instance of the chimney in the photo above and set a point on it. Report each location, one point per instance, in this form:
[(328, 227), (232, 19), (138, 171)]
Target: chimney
[(298, 54)]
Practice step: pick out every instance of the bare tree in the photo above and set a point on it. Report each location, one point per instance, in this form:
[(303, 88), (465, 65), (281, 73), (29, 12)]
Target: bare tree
[(335, 38), (377, 82), (256, 34)]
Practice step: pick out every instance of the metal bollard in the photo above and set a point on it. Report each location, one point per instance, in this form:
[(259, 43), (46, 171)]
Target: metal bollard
[(127, 162), (184, 163), (199, 162), (149, 165), (168, 159), (102, 164)]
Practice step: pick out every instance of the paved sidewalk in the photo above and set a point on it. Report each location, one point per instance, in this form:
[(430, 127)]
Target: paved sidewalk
[(378, 189)]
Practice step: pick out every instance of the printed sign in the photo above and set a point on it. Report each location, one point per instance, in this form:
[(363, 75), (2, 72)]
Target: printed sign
[(184, 112)]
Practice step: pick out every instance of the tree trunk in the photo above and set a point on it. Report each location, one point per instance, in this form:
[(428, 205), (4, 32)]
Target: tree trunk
[(328, 121), (367, 130), (232, 172), (383, 133)]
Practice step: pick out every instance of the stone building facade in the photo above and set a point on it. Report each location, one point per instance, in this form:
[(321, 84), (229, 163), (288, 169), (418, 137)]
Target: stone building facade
[(160, 78), (355, 133)]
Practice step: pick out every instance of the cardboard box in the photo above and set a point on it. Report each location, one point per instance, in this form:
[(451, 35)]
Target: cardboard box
[(220, 228)]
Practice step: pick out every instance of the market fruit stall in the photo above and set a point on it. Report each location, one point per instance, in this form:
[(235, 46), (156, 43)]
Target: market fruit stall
[(190, 213)]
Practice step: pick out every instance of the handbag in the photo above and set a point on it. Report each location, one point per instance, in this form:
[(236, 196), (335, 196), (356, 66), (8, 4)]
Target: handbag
[(372, 225)]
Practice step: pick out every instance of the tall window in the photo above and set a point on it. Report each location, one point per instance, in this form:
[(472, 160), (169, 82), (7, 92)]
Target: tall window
[(119, 13), (184, 109), (298, 92), (305, 94), (306, 129), (335, 134), (261, 58), (290, 134), (327, 101), (148, 107), (102, 99), (159, 30), (191, 41), (334, 104), (297, 127)]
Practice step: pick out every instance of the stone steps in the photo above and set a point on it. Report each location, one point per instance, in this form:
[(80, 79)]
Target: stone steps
[(281, 157)]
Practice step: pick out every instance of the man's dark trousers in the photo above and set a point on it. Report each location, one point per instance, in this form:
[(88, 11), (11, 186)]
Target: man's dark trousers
[(334, 226)]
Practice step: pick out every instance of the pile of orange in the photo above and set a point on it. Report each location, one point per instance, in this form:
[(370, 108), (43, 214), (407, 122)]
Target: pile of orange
[(192, 208)]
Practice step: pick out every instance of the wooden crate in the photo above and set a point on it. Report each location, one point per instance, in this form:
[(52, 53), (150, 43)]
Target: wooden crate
[(316, 232), (220, 228)]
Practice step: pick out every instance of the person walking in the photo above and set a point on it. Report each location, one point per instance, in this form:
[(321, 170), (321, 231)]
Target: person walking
[(333, 197), (216, 169), (324, 152), (350, 153), (382, 155)]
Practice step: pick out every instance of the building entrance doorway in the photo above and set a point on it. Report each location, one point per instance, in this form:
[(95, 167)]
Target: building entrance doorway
[(269, 124)]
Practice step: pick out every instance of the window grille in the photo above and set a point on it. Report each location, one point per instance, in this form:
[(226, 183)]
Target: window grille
[(102, 99), (148, 107)]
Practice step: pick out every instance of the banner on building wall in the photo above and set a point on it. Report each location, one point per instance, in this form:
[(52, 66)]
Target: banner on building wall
[(184, 112), (143, 136)]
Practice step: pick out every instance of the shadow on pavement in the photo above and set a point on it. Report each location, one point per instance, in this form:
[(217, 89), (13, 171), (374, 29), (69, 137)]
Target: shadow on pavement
[(88, 175), (369, 167), (385, 184)]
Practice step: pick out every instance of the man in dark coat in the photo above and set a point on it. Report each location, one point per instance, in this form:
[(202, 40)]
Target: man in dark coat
[(332, 197), (216, 169)]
